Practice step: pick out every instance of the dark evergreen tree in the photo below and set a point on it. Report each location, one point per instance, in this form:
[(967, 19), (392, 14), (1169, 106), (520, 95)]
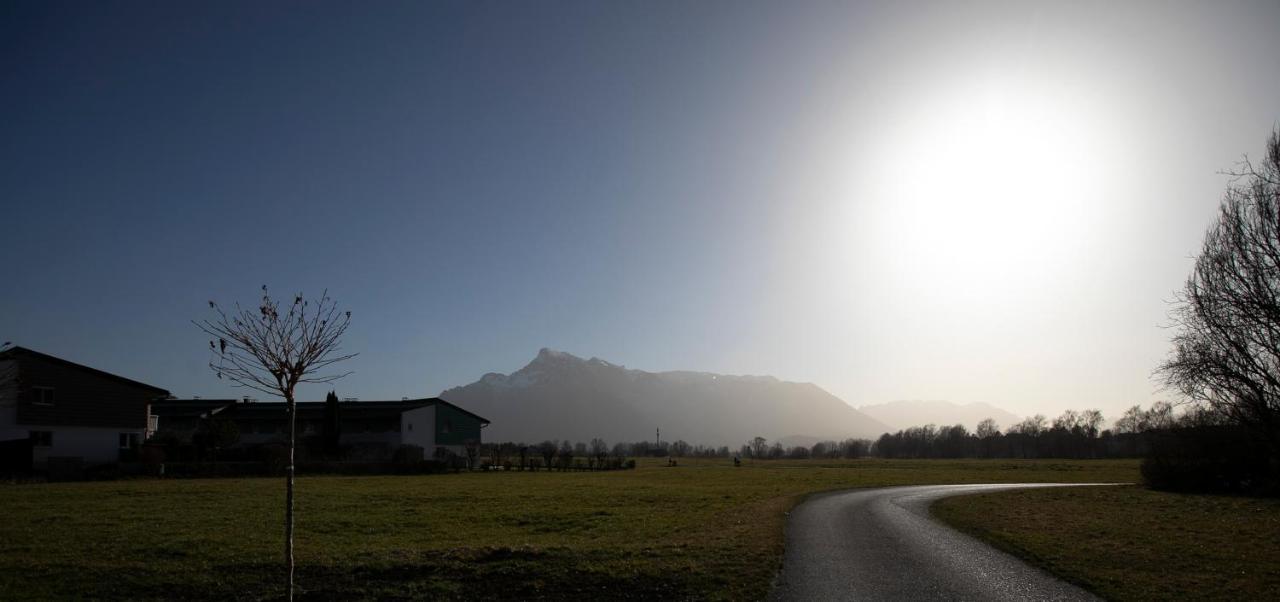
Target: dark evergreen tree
[(332, 432)]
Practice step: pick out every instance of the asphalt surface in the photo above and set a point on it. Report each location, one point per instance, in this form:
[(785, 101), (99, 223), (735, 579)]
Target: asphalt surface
[(881, 544)]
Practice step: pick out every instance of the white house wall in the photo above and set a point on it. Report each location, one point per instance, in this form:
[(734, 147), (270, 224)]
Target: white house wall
[(418, 427), (94, 445)]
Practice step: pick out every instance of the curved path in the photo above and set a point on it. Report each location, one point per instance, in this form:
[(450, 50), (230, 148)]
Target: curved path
[(881, 544)]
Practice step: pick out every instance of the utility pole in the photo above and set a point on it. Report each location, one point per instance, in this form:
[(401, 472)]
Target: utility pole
[(658, 441)]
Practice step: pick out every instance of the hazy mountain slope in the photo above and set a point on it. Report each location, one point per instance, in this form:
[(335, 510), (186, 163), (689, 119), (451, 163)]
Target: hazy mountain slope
[(561, 396), (903, 414)]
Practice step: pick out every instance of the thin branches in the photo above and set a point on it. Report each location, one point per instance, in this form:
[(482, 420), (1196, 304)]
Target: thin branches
[(1226, 352), (273, 349)]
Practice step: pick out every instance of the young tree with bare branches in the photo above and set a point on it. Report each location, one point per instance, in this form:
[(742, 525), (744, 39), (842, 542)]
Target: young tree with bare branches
[(273, 349)]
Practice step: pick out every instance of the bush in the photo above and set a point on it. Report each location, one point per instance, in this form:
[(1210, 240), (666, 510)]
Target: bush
[(1207, 459), (103, 472), (273, 456), (409, 454)]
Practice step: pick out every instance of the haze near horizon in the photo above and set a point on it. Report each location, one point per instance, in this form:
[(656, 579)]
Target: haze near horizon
[(981, 203)]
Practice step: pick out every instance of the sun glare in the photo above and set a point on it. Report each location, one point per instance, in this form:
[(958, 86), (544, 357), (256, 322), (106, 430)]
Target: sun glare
[(985, 189)]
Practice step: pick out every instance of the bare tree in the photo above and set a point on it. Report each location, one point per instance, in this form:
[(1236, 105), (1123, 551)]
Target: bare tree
[(620, 451), (1069, 421), (1033, 425), (599, 450), (855, 448), (1226, 351), (547, 449), (1160, 416), (988, 428), (473, 450), (495, 454), (273, 349), (565, 454), (1091, 423), (1131, 422)]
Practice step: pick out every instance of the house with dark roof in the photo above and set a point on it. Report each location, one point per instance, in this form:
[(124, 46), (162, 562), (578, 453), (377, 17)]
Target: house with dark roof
[(373, 429), (70, 411)]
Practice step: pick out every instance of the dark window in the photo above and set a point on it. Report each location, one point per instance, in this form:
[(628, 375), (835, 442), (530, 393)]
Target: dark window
[(128, 440), (447, 427), (411, 426), (42, 395), (41, 438)]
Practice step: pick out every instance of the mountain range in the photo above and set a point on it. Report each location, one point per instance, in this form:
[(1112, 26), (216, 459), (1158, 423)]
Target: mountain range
[(908, 413), (561, 396)]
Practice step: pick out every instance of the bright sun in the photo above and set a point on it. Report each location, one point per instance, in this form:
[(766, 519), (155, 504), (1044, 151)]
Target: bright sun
[(986, 187)]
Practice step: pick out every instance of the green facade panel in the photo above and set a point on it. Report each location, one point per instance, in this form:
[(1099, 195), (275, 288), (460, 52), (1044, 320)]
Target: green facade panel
[(454, 427)]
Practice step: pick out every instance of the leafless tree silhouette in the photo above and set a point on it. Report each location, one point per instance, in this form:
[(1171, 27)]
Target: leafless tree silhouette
[(599, 451), (1226, 351), (273, 349)]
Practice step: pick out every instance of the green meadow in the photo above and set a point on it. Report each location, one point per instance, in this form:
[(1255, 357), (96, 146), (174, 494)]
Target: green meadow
[(1129, 543), (704, 529)]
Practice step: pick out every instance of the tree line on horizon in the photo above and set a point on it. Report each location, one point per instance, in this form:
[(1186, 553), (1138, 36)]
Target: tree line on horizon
[(1073, 434)]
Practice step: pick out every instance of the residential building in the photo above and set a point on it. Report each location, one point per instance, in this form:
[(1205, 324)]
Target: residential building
[(369, 429), (66, 410)]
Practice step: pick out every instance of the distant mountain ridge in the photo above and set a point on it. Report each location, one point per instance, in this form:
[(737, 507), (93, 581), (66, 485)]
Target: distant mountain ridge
[(561, 396), (908, 413)]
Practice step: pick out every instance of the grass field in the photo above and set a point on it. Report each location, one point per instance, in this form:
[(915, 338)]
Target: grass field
[(700, 530), (1128, 543)]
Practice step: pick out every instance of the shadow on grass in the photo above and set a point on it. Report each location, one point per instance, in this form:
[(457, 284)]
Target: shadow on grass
[(499, 573)]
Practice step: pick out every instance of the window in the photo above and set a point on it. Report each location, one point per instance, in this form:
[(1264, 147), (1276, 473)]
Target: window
[(41, 438), (447, 427), (128, 440), (410, 426), (42, 396)]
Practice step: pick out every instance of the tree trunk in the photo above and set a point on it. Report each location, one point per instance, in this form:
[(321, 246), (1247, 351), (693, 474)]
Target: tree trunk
[(288, 504)]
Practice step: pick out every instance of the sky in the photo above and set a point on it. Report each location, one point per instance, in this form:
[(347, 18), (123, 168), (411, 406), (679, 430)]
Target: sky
[(968, 201)]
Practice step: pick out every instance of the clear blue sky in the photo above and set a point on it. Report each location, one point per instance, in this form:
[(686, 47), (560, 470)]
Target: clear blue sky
[(780, 188)]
